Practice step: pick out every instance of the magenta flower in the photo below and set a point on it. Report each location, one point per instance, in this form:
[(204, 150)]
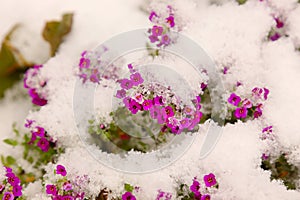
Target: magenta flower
[(40, 131), (33, 138), (136, 79), (36, 99), (188, 110), (157, 30), (195, 187), (43, 143), (158, 100), (61, 170), (139, 98), (210, 180), (275, 36), (67, 197), (265, 156), (84, 63), (168, 111), (185, 123), (256, 92), (266, 93), (83, 76), (268, 129), (155, 112), (246, 103), (29, 123), (153, 38), (8, 196), (121, 94), (176, 129), (205, 197), (134, 106), (225, 70), (67, 186), (94, 78), (57, 197), (127, 101), (147, 104), (241, 113), (12, 179), (17, 191), (128, 196), (152, 15), (170, 21), (165, 39), (234, 99), (126, 84), (1, 188), (279, 23), (51, 189), (203, 86), (257, 113)]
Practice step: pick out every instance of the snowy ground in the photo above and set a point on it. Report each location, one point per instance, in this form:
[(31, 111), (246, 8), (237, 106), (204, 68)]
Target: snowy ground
[(231, 34)]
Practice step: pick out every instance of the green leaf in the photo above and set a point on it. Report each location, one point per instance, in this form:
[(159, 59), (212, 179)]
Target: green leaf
[(10, 160), (11, 142), (128, 187), (54, 31), (241, 1), (12, 63)]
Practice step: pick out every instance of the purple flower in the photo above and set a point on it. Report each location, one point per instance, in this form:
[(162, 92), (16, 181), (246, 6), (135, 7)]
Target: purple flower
[(203, 86), (275, 36), (188, 110), (210, 180), (153, 38), (39, 101), (95, 77), (17, 191), (158, 100), (29, 123), (157, 30), (57, 197), (225, 70), (67, 186), (279, 23), (134, 106), (165, 39), (1, 188), (195, 187), (121, 94), (8, 196), (67, 197), (8, 169), (12, 179), (127, 101), (176, 129), (147, 104), (258, 112), (268, 129), (205, 197), (61, 170), (155, 111), (51, 189), (33, 138), (83, 76), (266, 93), (136, 79), (246, 103), (139, 98), (84, 63), (241, 112), (168, 111), (43, 143), (234, 99), (128, 196), (40, 131), (170, 21), (265, 156), (185, 123), (126, 84), (256, 92), (152, 15)]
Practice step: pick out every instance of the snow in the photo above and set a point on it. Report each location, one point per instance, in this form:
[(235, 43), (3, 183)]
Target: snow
[(232, 35)]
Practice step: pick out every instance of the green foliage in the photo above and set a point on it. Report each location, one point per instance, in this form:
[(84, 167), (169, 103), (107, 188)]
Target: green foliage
[(32, 154), (128, 187), (241, 2), (281, 169), (183, 192), (55, 31)]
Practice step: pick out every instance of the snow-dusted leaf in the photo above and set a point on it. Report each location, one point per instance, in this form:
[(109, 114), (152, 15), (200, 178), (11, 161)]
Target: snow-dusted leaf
[(55, 31)]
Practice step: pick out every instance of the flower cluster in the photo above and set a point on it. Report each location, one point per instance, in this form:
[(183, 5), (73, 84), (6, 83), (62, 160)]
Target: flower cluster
[(209, 180), (39, 136), (249, 107), (163, 195), (36, 85), (65, 189), (10, 188), (278, 30), (159, 34), (160, 102), (94, 69)]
